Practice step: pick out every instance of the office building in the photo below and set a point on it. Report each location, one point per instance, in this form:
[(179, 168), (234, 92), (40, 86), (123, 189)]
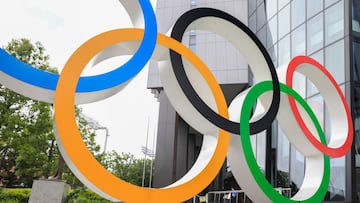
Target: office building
[(326, 30)]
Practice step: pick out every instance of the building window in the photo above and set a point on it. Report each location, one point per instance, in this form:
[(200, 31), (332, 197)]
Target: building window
[(282, 3), (334, 23), (298, 43), (283, 160), (271, 8), (284, 21), (297, 13), (252, 23), (315, 34), (335, 61), (356, 16), (252, 6), (284, 50), (314, 7), (261, 18), (272, 31), (356, 61)]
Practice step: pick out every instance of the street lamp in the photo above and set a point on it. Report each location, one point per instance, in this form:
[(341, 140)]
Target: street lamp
[(94, 124), (147, 152)]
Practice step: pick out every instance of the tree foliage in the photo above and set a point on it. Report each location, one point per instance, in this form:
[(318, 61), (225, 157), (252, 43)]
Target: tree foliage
[(129, 168), (26, 130), (28, 149)]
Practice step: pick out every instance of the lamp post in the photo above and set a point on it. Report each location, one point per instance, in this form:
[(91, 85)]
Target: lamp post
[(94, 124), (147, 152)]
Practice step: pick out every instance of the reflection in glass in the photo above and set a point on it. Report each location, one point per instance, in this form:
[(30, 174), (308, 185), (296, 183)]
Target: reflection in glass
[(262, 35), (272, 31), (297, 170), (314, 7), (336, 189), (356, 61), (252, 6), (284, 50), (297, 13), (329, 2), (298, 41), (252, 23), (315, 33), (273, 54), (356, 117), (284, 21), (282, 3), (334, 22), (271, 8), (261, 18), (261, 150), (335, 61), (356, 16), (283, 160)]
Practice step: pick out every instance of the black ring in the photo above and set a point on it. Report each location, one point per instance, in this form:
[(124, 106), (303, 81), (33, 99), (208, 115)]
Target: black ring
[(176, 60)]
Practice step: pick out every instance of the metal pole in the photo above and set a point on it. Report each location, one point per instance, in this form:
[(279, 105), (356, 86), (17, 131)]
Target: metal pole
[(106, 138), (152, 156), (147, 136)]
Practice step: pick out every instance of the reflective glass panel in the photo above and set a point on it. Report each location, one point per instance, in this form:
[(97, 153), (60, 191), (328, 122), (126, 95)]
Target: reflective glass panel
[(284, 50), (336, 190), (298, 43), (297, 13), (315, 33), (282, 3), (252, 6), (271, 8), (334, 22), (261, 18), (356, 15), (284, 21), (252, 23), (272, 31), (283, 160), (356, 61), (314, 7), (329, 2), (335, 60), (297, 170)]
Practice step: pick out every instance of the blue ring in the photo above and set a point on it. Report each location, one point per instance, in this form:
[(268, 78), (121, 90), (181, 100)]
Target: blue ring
[(31, 75)]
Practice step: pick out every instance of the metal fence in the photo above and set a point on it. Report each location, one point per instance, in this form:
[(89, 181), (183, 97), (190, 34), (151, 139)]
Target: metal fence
[(231, 196)]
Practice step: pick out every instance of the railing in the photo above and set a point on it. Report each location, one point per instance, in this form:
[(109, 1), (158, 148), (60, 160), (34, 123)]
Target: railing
[(231, 196)]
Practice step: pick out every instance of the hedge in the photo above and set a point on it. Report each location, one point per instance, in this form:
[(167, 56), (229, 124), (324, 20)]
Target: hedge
[(14, 195), (84, 196), (22, 195)]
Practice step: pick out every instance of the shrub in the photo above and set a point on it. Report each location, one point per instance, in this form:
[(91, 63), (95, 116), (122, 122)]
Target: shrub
[(15, 195), (84, 196)]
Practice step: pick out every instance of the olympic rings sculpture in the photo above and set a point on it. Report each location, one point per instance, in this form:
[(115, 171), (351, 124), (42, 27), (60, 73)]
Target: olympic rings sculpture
[(197, 97)]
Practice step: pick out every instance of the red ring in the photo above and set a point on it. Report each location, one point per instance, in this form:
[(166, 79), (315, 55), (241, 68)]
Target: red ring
[(333, 152)]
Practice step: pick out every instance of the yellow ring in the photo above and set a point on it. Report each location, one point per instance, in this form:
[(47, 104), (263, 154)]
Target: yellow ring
[(83, 160)]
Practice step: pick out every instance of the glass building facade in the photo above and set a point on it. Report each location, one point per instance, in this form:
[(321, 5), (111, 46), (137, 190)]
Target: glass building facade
[(319, 29), (326, 30)]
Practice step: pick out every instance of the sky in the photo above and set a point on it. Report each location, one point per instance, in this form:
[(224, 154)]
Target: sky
[(62, 26)]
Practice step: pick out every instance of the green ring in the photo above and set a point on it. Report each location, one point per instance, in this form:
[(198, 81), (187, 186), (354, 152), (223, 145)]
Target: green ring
[(262, 182)]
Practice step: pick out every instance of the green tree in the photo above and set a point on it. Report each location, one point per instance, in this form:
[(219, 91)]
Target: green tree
[(89, 139), (129, 168), (28, 148), (26, 125)]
